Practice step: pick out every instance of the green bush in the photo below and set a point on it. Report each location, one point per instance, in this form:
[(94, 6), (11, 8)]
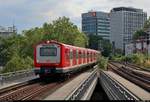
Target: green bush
[(138, 58), (18, 63), (14, 64), (103, 63), (29, 62), (118, 58)]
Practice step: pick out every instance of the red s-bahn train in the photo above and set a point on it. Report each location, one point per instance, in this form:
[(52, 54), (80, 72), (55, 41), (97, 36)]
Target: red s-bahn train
[(52, 57)]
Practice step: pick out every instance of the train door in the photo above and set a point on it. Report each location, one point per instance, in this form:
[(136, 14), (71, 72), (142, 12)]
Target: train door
[(77, 57), (91, 56), (84, 56), (67, 57), (94, 56), (80, 57), (71, 57), (87, 56), (74, 57)]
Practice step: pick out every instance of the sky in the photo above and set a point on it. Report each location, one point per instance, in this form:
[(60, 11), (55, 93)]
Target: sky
[(26, 14)]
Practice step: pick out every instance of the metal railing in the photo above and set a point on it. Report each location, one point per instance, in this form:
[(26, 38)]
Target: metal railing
[(78, 93), (12, 76), (114, 90)]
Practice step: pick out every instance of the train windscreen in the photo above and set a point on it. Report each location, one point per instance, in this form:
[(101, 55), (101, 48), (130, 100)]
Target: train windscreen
[(48, 51)]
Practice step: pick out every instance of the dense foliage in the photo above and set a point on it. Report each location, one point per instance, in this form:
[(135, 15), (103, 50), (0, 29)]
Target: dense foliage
[(139, 34), (142, 32), (106, 48), (147, 24), (94, 41), (137, 58), (98, 43), (103, 62), (16, 52)]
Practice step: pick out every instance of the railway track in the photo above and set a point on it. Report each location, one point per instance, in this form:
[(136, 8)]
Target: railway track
[(141, 72), (137, 67), (137, 77), (133, 66), (33, 90)]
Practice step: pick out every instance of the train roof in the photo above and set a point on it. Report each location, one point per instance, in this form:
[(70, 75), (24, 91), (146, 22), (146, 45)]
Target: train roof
[(66, 45)]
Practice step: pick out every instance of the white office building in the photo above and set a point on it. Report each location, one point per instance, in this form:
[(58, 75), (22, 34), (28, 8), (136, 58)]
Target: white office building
[(124, 21)]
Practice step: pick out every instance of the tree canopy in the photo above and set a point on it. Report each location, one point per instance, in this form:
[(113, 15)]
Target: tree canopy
[(142, 32), (98, 43), (64, 31), (138, 34), (147, 24), (94, 41)]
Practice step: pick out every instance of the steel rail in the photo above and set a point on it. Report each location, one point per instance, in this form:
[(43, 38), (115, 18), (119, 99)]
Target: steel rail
[(133, 78)]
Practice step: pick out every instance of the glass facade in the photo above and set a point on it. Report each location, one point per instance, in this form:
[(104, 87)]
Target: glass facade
[(96, 23)]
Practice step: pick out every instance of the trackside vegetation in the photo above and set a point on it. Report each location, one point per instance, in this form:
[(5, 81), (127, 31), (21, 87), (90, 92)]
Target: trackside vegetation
[(103, 62), (140, 59)]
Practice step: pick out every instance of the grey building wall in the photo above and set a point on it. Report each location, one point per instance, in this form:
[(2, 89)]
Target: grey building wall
[(116, 31), (124, 22)]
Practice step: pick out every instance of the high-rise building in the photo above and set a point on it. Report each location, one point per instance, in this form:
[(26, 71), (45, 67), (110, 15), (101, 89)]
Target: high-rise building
[(124, 21), (96, 23)]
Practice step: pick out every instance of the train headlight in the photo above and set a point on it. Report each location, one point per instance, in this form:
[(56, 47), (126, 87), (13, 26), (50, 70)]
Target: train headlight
[(48, 41)]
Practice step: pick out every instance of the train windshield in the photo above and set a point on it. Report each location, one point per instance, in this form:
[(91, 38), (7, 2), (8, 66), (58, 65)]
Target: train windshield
[(48, 51)]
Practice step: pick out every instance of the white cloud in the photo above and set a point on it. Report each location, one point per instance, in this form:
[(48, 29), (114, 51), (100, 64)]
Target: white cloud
[(36, 12), (74, 8)]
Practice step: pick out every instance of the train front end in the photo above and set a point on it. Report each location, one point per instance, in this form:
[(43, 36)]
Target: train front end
[(47, 57)]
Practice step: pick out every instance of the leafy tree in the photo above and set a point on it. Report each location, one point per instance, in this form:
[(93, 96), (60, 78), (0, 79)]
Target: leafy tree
[(31, 38), (8, 48), (14, 64), (147, 24), (107, 48), (103, 62), (138, 34), (94, 41), (64, 31), (98, 43)]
